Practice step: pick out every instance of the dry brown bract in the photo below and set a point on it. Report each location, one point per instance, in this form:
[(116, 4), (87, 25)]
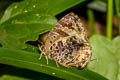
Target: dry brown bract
[(67, 43)]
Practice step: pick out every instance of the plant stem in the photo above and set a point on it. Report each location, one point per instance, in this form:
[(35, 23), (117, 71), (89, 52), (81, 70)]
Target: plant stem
[(91, 20), (109, 19)]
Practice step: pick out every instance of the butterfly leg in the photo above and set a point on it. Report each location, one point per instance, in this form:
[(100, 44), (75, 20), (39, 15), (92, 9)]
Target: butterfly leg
[(57, 64), (41, 46), (46, 59), (40, 56), (41, 52)]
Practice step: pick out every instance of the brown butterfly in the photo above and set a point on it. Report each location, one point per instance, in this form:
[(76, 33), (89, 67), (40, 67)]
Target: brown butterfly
[(67, 43)]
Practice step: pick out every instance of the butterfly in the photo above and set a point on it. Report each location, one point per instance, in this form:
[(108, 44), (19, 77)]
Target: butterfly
[(67, 43)]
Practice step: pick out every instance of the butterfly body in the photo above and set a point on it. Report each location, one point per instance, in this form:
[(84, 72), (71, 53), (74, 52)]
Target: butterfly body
[(67, 43)]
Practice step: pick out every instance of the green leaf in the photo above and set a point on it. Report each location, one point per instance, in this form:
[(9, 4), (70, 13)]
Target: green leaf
[(16, 31), (104, 52), (32, 48), (116, 45), (26, 20), (30, 61), (58, 6), (52, 7), (11, 77), (24, 74)]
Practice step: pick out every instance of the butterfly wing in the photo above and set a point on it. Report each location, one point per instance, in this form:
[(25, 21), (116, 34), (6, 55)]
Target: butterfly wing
[(67, 43)]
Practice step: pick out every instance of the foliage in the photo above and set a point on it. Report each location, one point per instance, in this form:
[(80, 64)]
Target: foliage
[(26, 20)]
